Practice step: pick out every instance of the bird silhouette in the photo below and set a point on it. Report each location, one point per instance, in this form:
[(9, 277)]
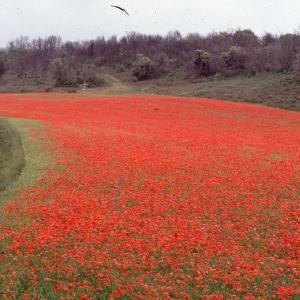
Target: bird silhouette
[(120, 9)]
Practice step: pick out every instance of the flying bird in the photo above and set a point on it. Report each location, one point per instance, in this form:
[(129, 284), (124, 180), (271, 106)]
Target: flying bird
[(120, 9)]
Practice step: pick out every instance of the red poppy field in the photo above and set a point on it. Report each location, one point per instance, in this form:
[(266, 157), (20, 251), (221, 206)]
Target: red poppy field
[(154, 197)]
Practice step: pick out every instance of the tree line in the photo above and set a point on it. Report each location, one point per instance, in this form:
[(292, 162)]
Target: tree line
[(148, 56)]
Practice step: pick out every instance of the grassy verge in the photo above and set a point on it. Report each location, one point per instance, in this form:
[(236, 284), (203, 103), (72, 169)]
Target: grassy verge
[(11, 154), (37, 161)]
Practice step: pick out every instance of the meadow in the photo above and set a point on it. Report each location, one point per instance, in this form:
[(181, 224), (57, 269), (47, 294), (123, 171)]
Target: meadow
[(151, 197)]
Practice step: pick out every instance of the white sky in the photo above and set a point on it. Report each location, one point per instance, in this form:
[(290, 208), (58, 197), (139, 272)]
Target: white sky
[(79, 20)]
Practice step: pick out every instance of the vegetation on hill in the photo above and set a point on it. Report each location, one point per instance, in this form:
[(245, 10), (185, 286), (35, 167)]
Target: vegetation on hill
[(191, 65)]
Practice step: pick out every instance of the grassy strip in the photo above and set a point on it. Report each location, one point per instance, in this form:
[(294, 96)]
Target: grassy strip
[(11, 154), (37, 161)]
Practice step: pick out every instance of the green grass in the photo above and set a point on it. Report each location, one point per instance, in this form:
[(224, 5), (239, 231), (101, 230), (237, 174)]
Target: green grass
[(11, 154), (13, 84), (36, 160)]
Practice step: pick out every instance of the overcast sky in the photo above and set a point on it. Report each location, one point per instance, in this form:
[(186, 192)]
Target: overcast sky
[(79, 20)]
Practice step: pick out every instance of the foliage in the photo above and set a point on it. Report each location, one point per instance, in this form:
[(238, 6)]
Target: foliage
[(244, 38), (230, 53), (201, 60), (143, 67), (234, 58), (268, 39), (96, 81), (65, 75), (57, 69)]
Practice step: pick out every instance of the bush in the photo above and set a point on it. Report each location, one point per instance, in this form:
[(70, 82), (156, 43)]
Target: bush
[(73, 81), (201, 61), (143, 67), (95, 81), (234, 58), (56, 67)]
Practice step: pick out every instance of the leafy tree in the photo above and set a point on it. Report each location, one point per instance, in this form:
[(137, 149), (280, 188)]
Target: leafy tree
[(143, 67), (57, 69), (244, 38), (289, 45), (201, 61)]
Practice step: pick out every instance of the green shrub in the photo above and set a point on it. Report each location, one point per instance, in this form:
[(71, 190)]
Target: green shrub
[(234, 58), (143, 67), (56, 67), (96, 80)]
